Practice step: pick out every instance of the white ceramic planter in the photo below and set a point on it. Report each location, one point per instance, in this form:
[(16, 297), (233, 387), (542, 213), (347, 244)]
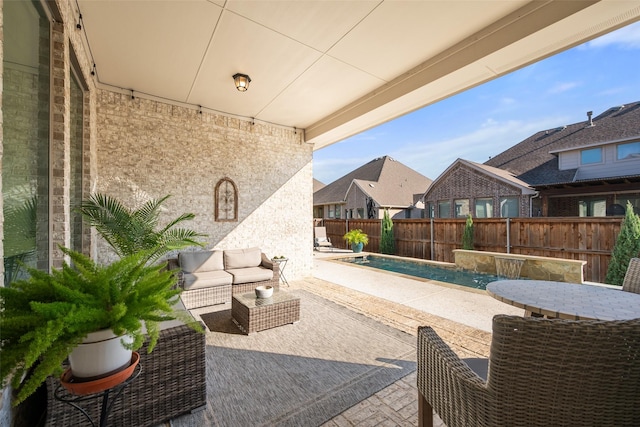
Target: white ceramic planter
[(264, 291), (100, 355)]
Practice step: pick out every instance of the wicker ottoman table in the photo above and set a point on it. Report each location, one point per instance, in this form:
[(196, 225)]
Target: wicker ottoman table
[(253, 314)]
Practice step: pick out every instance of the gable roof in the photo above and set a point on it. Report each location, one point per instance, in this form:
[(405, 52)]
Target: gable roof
[(317, 185), (387, 181), (499, 174), (534, 160)]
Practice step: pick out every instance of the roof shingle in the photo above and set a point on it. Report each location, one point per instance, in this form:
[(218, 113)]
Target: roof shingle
[(533, 161), (387, 181)]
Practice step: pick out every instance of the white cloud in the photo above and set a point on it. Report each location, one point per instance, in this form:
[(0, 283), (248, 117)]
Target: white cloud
[(625, 38), (431, 158), (490, 139), (507, 101), (563, 87), (613, 91)]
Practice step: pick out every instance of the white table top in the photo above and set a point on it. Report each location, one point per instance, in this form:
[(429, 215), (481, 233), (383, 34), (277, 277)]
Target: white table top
[(567, 300)]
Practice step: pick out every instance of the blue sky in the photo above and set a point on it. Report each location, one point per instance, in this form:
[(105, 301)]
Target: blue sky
[(490, 118)]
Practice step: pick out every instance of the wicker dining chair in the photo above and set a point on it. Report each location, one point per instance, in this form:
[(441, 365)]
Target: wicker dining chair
[(541, 372), (631, 281)]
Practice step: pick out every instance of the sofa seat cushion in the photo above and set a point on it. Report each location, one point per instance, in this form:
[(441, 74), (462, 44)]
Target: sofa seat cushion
[(206, 279), (201, 261), (251, 274), (242, 258)]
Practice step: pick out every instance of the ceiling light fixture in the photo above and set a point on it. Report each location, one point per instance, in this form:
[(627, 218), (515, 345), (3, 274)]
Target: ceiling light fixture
[(242, 82)]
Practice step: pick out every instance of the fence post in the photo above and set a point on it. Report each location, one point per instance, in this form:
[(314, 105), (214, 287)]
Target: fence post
[(432, 241), (508, 235)]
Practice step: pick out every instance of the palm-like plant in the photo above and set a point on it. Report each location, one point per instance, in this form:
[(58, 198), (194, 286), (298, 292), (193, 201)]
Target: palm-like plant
[(129, 231), (19, 237)]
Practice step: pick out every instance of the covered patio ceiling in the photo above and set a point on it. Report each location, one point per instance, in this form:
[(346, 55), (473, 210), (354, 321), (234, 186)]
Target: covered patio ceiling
[(330, 68)]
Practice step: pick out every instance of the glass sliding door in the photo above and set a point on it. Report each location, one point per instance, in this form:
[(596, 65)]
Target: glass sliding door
[(76, 152), (25, 159)]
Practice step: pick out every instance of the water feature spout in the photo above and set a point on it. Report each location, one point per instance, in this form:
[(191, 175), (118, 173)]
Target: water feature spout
[(508, 268)]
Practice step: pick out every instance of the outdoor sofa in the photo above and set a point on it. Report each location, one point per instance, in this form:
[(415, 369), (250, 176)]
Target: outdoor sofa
[(211, 277)]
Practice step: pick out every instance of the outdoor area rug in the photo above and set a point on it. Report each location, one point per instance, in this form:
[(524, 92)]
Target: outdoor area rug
[(301, 374)]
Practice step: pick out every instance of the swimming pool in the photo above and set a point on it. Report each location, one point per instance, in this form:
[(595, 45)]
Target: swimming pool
[(425, 271)]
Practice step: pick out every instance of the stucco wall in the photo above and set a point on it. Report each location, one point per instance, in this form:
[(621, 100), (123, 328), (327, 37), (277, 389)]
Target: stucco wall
[(149, 149)]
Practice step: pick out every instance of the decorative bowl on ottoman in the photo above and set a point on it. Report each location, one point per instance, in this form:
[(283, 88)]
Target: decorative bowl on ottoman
[(264, 291)]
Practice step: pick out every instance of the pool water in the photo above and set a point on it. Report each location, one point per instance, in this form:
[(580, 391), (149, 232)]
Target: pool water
[(426, 271)]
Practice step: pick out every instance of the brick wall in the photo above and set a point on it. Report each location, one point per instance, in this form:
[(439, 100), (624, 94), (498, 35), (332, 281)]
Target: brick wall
[(461, 182), (149, 149)]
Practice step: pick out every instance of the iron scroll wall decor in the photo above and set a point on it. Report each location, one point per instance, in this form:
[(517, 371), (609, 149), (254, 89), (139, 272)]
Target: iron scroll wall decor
[(226, 201)]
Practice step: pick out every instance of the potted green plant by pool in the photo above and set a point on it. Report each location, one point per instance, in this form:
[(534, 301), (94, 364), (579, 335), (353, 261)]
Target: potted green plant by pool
[(43, 318), (357, 239)]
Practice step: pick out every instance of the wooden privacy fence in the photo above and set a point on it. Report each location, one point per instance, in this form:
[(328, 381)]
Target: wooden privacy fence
[(588, 239)]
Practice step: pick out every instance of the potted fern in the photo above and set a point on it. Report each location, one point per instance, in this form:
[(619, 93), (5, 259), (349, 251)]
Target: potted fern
[(357, 239), (43, 318), (50, 316)]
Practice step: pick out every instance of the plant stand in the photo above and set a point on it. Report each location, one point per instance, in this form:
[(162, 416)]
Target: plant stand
[(108, 396), (282, 262)]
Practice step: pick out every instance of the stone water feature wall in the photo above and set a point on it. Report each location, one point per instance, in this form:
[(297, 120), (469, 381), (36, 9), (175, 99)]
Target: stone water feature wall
[(531, 267)]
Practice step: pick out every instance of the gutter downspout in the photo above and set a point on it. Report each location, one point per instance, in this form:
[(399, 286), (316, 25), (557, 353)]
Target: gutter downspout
[(535, 196)]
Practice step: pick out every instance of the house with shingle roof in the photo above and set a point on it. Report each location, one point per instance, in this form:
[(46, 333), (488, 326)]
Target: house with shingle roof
[(589, 168), (383, 183), (496, 193)]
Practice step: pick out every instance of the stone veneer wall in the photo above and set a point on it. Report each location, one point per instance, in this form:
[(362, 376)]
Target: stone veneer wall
[(149, 149), (142, 148), (533, 267)]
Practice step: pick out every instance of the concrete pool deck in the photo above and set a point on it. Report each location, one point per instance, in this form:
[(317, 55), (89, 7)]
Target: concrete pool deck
[(471, 307)]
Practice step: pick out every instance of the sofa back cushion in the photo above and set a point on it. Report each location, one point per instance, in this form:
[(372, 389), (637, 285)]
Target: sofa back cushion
[(201, 261), (242, 258)]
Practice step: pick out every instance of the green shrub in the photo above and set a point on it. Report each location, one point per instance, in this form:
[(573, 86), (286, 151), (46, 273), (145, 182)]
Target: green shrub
[(387, 240), (467, 236), (627, 246)]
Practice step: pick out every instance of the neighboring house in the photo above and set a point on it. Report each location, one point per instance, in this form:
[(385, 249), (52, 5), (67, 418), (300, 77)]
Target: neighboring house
[(317, 212), (366, 192), (590, 168), (484, 191)]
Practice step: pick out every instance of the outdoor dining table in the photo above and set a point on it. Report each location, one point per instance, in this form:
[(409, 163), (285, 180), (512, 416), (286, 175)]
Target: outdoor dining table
[(567, 300)]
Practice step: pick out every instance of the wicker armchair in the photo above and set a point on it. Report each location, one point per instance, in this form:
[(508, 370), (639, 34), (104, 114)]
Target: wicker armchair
[(631, 281), (542, 372)]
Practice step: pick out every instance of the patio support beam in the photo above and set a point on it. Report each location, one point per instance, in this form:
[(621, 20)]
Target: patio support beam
[(529, 19)]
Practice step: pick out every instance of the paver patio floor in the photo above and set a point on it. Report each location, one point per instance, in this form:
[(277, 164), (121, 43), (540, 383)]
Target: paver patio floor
[(397, 404)]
